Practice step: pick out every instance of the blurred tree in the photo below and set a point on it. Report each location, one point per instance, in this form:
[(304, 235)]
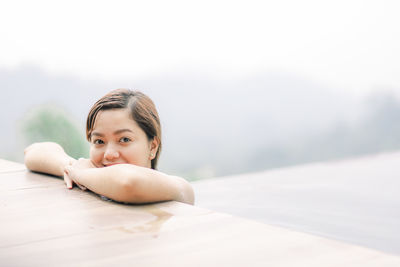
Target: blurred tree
[(49, 123)]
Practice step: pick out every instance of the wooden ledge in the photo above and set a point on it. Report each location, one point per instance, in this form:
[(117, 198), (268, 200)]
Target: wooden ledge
[(45, 224), (7, 166)]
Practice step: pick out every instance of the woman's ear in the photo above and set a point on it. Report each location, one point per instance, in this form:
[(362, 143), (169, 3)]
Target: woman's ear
[(154, 147)]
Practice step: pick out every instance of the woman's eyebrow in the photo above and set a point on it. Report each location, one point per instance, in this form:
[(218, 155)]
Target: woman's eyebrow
[(122, 130), (97, 134), (115, 133)]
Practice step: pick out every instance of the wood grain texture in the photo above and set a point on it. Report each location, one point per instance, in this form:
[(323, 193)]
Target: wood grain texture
[(45, 224), (7, 166)]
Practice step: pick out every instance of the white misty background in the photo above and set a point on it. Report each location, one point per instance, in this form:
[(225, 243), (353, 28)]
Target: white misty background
[(214, 127), (241, 86)]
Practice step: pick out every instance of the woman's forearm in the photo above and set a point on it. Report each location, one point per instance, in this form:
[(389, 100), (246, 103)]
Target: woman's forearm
[(46, 157), (133, 184)]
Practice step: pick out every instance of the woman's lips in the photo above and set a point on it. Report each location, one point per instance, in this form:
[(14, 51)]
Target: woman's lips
[(111, 164)]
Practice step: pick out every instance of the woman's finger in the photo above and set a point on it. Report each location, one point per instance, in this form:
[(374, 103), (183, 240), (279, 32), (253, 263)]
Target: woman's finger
[(71, 173), (68, 181)]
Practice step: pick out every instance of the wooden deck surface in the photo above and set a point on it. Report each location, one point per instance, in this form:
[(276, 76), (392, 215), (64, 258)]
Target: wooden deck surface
[(44, 224)]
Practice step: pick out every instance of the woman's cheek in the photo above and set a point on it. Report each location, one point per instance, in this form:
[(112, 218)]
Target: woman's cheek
[(137, 156), (95, 157)]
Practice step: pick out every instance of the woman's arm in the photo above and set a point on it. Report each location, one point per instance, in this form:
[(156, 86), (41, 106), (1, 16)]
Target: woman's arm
[(47, 157), (133, 184), (50, 158)]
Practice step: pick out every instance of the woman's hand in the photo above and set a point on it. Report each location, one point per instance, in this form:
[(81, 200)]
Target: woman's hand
[(71, 172)]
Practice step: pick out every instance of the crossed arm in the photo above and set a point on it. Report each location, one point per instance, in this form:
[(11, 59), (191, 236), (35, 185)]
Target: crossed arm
[(123, 182)]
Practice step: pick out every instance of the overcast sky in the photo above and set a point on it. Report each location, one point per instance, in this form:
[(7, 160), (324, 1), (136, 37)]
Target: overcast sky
[(348, 45)]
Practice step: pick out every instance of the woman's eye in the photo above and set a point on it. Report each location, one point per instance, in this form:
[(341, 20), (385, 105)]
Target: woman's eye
[(98, 142), (125, 140)]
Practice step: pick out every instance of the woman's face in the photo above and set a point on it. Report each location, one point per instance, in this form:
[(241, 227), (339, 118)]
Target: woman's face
[(116, 138)]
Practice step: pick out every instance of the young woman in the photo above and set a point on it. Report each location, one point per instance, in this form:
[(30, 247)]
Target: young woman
[(124, 132)]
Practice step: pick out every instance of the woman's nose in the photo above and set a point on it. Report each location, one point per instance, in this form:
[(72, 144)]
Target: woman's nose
[(111, 153)]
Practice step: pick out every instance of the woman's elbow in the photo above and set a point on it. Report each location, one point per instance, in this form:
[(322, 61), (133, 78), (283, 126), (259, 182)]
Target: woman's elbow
[(185, 193), (189, 195), (31, 162)]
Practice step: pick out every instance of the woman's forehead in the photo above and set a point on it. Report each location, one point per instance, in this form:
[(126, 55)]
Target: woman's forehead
[(114, 118)]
